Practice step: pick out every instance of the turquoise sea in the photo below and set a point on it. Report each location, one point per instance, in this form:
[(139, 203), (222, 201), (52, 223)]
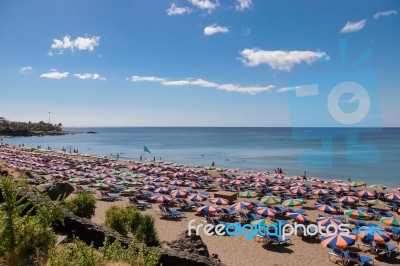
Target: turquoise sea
[(367, 154)]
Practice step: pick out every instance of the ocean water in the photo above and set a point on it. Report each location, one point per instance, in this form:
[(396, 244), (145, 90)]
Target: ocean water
[(364, 154)]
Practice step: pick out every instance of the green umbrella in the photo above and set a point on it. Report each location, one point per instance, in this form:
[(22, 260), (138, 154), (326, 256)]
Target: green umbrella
[(292, 202), (356, 214), (77, 180), (263, 222), (392, 221), (128, 191), (247, 194), (375, 202), (101, 186), (271, 200), (378, 186), (221, 169)]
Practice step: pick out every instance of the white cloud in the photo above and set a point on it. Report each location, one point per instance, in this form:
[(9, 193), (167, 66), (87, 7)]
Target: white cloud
[(213, 29), (152, 79), (176, 83), (353, 26), (279, 60), (206, 84), (204, 4), (80, 43), (54, 74), (176, 10), (243, 4), (89, 76), (285, 89), (25, 70), (385, 14)]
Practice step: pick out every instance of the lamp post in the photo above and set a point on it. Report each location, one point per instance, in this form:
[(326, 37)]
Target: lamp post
[(49, 117)]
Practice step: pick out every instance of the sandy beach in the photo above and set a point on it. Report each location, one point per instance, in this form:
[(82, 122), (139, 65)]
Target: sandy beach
[(234, 250)]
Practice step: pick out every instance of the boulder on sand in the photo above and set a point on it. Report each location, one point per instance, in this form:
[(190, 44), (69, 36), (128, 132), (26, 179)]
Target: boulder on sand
[(56, 189)]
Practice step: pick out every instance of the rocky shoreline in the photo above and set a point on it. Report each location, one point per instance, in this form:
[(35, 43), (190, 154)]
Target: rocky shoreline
[(29, 133)]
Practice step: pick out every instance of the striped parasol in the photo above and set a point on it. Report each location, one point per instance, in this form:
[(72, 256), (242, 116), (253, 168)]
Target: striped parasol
[(129, 191), (279, 176), (340, 241), (373, 233), (266, 212), (365, 194), (341, 190), (161, 198), (271, 200), (177, 193), (219, 201), (298, 191), (326, 221), (292, 202), (356, 214), (392, 221), (164, 190), (241, 205), (197, 197), (207, 209), (247, 194), (326, 209), (278, 188), (378, 187), (320, 192), (392, 197), (348, 200), (301, 218)]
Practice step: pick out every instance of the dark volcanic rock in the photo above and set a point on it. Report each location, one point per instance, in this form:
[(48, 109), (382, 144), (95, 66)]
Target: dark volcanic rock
[(56, 189), (191, 244)]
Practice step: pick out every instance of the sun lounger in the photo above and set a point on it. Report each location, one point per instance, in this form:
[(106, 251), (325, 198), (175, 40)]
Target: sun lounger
[(175, 213), (277, 240), (386, 248), (139, 204), (356, 258), (229, 213), (394, 231), (338, 254)]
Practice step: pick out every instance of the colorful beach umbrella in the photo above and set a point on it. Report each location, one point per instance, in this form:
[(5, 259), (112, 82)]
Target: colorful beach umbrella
[(279, 176), (378, 187), (348, 200), (222, 180), (298, 191), (164, 190), (301, 218), (356, 184), (178, 193), (296, 178), (340, 241), (129, 191), (257, 184), (365, 194), (278, 182), (219, 201), (392, 197), (316, 179), (101, 186), (356, 214), (375, 202), (197, 197), (237, 183), (241, 205), (326, 209), (392, 221), (207, 209), (266, 212), (278, 188), (125, 183), (320, 192), (271, 200), (161, 198), (292, 202), (263, 222), (341, 190), (77, 180), (248, 194), (176, 182), (325, 221), (373, 233)]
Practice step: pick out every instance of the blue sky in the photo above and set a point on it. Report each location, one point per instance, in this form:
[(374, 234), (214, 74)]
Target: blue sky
[(197, 62)]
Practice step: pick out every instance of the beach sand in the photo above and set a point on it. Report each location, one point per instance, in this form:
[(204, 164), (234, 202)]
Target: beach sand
[(236, 250)]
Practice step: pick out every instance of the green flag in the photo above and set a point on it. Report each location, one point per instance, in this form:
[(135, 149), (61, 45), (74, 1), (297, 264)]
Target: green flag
[(146, 150)]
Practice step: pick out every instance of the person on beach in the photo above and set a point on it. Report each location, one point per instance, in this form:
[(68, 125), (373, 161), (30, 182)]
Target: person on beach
[(305, 176), (141, 158), (213, 164)]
